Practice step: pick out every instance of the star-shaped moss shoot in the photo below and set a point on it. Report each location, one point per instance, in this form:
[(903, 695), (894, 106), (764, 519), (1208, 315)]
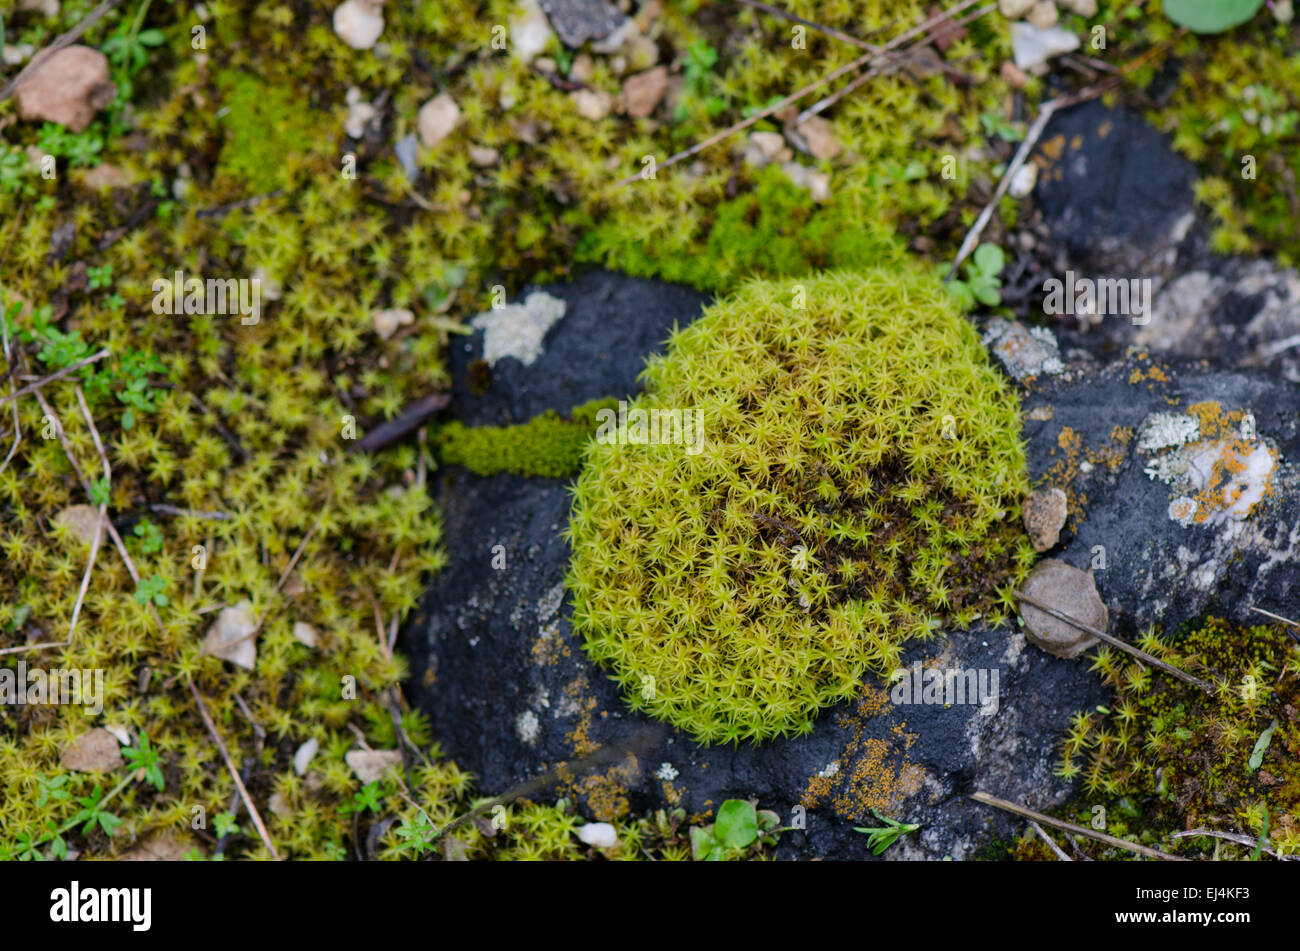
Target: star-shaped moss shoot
[(857, 483)]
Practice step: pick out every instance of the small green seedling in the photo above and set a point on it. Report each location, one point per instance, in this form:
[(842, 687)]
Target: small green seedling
[(94, 814), (145, 758), (99, 490), (1261, 747), (996, 125), (416, 837), (151, 538), (224, 824), (982, 283), (883, 837), (151, 589), (737, 826), (366, 799)]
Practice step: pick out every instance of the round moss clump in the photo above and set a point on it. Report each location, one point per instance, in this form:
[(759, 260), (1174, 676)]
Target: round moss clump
[(854, 478)]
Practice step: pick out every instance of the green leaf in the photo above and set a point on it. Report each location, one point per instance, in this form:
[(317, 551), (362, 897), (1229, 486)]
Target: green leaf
[(987, 293), (704, 847), (128, 419), (1211, 16), (962, 293), (1261, 747), (989, 259), (736, 825), (151, 37)]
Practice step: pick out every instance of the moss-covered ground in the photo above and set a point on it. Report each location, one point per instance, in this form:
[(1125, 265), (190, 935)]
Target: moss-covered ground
[(219, 449)]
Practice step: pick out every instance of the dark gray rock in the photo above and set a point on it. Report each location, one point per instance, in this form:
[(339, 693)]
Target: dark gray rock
[(511, 692), (1165, 562), (577, 21), (1114, 200), (611, 323), (1114, 195)]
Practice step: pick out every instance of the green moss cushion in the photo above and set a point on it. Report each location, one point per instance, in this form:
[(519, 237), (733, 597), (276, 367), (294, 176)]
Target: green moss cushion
[(857, 479)]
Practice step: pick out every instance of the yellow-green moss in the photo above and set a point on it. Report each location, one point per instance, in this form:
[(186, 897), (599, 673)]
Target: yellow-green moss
[(547, 445), (857, 482)]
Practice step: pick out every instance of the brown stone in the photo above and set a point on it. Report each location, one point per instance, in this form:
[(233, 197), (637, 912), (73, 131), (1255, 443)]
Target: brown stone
[(643, 91), (1044, 515), (1070, 591), (816, 131), (68, 88), (93, 752)]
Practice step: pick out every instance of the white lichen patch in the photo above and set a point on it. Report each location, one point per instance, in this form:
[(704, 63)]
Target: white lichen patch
[(518, 330), (528, 727), (1183, 510), (549, 605), (1215, 480), (1217, 465), (1024, 351), (1247, 469), (830, 771), (666, 772), (1167, 431)]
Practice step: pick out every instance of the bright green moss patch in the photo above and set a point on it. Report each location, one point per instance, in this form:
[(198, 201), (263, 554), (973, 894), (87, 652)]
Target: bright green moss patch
[(1165, 756), (857, 482), (266, 126), (547, 445), (774, 230)]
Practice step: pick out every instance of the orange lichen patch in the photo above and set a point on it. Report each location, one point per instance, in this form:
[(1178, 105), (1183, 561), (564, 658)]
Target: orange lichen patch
[(606, 793), (1065, 471), (872, 772), (900, 730), (577, 695), (1214, 422), (549, 648), (1050, 151), (1153, 373), (1103, 130)]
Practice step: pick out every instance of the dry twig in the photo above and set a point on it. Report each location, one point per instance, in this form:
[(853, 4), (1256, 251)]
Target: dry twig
[(1115, 642), (994, 801)]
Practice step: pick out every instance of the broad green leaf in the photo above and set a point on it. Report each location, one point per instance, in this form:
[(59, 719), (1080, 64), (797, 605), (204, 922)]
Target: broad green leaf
[(989, 259), (987, 293), (1211, 16), (962, 293), (703, 845), (737, 824)]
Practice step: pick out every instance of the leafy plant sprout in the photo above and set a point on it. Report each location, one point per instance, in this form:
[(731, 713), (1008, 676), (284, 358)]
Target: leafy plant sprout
[(981, 283), (882, 837)]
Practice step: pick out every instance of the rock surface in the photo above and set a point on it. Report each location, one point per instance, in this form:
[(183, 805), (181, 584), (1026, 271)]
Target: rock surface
[(1044, 516), (512, 694), (577, 21), (93, 752), (1145, 225), (358, 23), (1182, 495), (437, 118)]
